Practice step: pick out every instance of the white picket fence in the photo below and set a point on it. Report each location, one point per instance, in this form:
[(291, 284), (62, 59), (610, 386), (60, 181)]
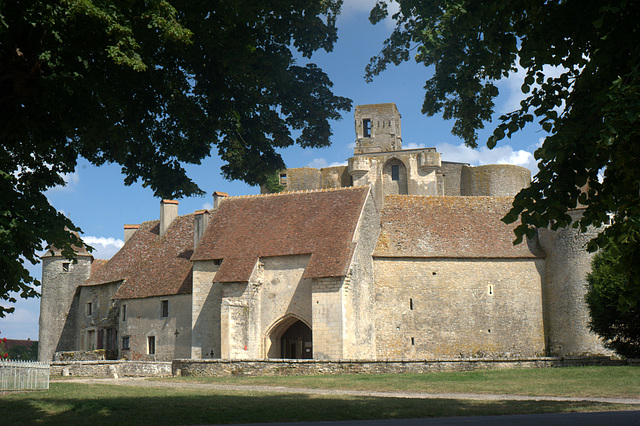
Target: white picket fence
[(23, 375)]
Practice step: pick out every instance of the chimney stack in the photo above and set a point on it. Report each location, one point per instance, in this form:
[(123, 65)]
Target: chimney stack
[(129, 230), (200, 223), (168, 213), (218, 197)]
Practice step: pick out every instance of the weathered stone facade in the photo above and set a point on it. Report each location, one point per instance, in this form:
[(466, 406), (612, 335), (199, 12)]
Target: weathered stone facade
[(396, 256)]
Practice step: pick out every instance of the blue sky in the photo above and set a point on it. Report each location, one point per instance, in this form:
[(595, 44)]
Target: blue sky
[(97, 200)]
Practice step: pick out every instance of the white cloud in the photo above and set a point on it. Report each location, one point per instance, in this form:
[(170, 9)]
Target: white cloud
[(413, 145), (23, 322), (512, 87), (360, 7), (105, 247), (321, 163), (207, 206), (71, 180), (477, 157)]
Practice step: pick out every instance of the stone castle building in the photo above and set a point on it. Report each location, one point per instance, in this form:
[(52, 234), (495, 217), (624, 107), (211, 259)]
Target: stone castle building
[(397, 255)]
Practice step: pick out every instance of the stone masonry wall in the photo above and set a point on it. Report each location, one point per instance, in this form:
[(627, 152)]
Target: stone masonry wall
[(328, 318), (303, 367), (458, 308)]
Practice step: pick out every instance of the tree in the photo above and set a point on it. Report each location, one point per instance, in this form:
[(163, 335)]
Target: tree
[(149, 85), (620, 331), (581, 61)]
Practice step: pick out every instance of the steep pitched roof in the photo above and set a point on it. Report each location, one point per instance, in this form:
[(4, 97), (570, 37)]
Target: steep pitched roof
[(150, 265), (319, 223), (462, 227)]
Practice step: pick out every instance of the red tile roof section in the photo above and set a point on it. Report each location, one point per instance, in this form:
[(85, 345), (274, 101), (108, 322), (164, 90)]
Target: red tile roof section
[(462, 227), (320, 223), (151, 265)]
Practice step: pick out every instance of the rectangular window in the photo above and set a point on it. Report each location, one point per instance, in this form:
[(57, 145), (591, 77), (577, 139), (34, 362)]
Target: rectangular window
[(124, 312), (165, 308), (413, 341), (125, 343), (283, 179), (65, 267), (89, 308), (395, 172), (151, 345), (366, 127)]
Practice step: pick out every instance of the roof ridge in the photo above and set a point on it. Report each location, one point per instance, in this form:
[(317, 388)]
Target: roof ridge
[(303, 191)]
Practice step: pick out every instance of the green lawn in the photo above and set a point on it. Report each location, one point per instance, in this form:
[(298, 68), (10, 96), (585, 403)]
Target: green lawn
[(75, 403), (575, 381)]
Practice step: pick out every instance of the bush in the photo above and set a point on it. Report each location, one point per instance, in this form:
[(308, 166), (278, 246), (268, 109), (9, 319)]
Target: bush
[(618, 326)]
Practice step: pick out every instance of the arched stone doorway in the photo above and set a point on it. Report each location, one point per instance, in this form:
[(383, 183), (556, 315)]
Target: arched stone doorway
[(291, 338), (394, 175)]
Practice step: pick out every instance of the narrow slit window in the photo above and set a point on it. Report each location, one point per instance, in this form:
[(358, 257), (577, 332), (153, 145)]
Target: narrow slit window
[(411, 304), (165, 308), (124, 312), (89, 308), (413, 341), (366, 127), (490, 289), (151, 345)]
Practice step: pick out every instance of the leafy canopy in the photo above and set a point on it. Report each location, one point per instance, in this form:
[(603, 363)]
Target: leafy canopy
[(581, 61), (149, 85)]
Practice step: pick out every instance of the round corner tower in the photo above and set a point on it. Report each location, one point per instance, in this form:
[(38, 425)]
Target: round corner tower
[(61, 278), (566, 315)]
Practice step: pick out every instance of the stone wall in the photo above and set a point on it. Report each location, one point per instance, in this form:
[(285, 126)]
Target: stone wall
[(565, 285), (303, 367), (108, 368), (457, 308), (172, 334), (497, 180)]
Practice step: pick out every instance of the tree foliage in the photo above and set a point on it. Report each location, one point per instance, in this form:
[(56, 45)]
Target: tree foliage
[(581, 62), (620, 330), (149, 85)]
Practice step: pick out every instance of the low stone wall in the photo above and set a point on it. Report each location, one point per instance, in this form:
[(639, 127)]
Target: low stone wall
[(217, 367), (302, 367), (111, 368)]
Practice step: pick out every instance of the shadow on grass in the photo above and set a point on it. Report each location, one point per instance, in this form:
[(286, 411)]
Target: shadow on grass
[(68, 403)]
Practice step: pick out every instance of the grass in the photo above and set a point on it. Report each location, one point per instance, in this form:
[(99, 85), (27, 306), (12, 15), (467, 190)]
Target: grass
[(98, 404), (574, 381), (73, 403)]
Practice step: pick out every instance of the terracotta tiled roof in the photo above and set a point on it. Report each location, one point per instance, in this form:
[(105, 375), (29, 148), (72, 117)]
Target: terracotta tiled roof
[(97, 264), (319, 223), (151, 265), (462, 227)]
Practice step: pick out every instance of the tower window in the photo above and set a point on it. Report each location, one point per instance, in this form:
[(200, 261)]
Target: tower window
[(366, 127), (165, 308), (65, 267), (89, 308), (124, 312), (395, 172)]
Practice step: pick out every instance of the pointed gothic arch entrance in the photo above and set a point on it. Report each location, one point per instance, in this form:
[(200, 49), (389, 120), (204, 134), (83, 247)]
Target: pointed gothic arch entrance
[(290, 338)]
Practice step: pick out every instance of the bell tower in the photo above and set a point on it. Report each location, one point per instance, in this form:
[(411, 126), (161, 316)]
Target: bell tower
[(377, 128)]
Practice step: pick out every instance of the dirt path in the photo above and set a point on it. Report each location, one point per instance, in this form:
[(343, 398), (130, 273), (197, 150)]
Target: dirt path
[(142, 381)]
